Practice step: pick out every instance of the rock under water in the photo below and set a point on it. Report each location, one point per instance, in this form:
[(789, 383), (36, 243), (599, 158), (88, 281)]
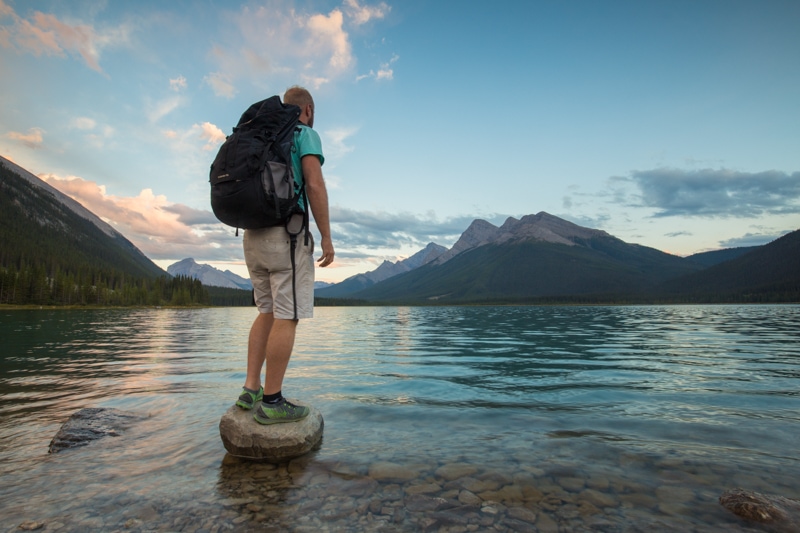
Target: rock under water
[(765, 508), (90, 424)]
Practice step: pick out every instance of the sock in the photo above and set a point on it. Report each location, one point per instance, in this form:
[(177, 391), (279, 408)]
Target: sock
[(273, 398)]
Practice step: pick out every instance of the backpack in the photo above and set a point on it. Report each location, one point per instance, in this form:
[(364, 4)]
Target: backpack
[(252, 183)]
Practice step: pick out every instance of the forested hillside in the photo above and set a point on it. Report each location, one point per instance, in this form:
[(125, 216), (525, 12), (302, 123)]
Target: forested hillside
[(52, 256), (769, 273)]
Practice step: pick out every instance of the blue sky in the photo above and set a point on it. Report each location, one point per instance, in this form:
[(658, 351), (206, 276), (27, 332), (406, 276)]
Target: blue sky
[(671, 124)]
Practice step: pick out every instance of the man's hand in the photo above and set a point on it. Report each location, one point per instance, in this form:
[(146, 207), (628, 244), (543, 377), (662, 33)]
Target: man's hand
[(327, 252)]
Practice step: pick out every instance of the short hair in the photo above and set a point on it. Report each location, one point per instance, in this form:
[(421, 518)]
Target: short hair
[(298, 96)]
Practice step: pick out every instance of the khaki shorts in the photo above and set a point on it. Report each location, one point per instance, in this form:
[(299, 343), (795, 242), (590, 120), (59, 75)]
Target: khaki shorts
[(267, 254)]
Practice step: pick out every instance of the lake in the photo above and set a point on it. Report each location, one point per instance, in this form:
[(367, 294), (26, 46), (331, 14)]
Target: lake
[(501, 419)]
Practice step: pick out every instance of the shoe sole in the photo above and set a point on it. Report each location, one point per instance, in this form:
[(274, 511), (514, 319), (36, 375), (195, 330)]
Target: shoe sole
[(271, 421)]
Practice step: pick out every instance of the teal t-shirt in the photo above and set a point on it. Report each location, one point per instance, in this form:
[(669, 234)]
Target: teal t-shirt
[(306, 142)]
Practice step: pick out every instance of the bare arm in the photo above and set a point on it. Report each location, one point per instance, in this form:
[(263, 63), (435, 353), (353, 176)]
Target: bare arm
[(318, 198)]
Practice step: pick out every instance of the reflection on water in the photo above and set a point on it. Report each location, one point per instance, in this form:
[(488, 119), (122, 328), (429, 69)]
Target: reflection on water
[(501, 418)]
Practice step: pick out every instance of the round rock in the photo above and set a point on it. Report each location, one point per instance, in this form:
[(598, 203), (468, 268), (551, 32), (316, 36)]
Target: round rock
[(276, 443)]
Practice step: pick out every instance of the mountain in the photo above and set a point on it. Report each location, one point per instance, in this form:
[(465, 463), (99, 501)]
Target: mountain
[(41, 224), (716, 257), (767, 273), (538, 256), (56, 252), (209, 275), (385, 271), (542, 227), (479, 232), (213, 277)]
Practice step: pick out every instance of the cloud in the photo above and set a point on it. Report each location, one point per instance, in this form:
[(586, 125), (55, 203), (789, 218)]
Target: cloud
[(335, 141), (751, 239), (160, 228), (212, 134), (362, 14), (327, 39), (45, 34), (278, 44), (313, 82), (366, 229), (33, 139), (191, 148), (597, 221), (718, 193), (5, 10), (385, 72), (177, 84), (221, 84), (190, 216), (84, 123), (158, 110)]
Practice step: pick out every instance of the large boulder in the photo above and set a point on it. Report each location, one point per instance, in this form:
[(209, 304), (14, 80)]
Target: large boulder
[(782, 513), (276, 443), (90, 424)]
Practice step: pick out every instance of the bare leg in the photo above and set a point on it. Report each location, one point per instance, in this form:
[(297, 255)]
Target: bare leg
[(279, 350), (257, 349)]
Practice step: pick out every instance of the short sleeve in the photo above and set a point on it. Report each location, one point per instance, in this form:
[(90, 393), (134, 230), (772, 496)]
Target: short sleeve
[(309, 143)]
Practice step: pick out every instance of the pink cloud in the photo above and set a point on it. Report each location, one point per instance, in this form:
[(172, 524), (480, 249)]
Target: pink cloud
[(159, 228), (33, 139), (45, 34), (221, 84), (363, 14), (212, 134), (313, 47), (5, 9)]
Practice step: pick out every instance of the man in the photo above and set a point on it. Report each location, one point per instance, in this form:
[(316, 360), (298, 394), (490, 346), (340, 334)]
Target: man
[(267, 254)]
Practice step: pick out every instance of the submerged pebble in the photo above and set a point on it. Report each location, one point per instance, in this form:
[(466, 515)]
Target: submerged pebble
[(327, 497)]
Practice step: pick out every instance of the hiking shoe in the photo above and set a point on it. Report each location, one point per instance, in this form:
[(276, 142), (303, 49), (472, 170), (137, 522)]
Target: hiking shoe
[(247, 400), (281, 412)]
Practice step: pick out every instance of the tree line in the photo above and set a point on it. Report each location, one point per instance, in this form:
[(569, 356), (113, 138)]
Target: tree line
[(33, 284)]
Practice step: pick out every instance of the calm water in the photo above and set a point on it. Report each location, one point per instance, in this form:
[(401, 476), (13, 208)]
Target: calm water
[(578, 418)]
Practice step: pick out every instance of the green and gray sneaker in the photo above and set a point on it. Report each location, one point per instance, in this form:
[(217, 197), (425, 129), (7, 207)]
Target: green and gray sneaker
[(281, 412), (248, 399)]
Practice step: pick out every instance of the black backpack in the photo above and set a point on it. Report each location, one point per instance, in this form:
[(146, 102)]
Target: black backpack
[(252, 183)]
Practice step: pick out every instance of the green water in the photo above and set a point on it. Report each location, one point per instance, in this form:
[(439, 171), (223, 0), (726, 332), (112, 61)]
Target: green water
[(517, 418)]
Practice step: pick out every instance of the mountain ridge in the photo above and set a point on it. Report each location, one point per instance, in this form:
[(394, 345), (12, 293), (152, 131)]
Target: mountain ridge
[(543, 256), (56, 251), (773, 268), (385, 270), (208, 275), (75, 206)]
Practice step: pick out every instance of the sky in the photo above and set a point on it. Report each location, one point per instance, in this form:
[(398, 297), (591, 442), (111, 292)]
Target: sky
[(673, 124)]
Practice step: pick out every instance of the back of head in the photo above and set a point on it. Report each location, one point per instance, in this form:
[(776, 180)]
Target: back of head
[(298, 96)]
